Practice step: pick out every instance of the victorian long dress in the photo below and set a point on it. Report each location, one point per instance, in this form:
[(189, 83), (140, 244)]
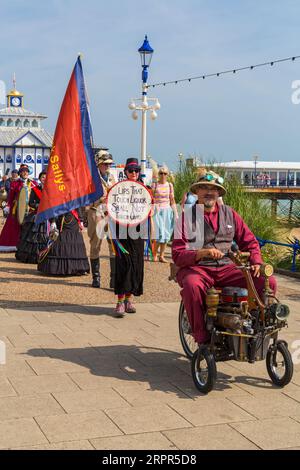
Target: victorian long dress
[(67, 255), (129, 275), (34, 237)]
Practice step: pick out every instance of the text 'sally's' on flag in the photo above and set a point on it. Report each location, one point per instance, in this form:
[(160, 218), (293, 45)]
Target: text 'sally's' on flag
[(72, 176)]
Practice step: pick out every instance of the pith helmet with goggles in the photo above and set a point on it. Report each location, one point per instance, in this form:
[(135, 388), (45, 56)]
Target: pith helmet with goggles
[(209, 178), (102, 156)]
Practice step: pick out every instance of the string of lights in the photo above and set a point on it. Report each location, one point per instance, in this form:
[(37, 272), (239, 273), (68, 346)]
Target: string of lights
[(218, 74)]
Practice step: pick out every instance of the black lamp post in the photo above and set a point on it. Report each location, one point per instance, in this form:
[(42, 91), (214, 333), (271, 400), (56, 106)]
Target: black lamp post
[(255, 158)]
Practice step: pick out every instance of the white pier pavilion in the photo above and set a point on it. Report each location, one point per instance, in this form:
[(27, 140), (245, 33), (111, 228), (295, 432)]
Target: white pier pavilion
[(266, 174), (22, 137)]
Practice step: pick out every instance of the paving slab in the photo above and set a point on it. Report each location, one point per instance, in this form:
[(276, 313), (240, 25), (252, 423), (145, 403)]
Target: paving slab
[(88, 400), (270, 434), (16, 367), (139, 394), (6, 388), (144, 441), (79, 426), (43, 384), (25, 407), (93, 381), (217, 437), (147, 419), (223, 388), (207, 410), (267, 406), (24, 340), (296, 378), (73, 445), (46, 365), (20, 432), (79, 378), (83, 339)]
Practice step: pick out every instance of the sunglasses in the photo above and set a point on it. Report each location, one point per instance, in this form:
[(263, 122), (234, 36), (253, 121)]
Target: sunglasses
[(133, 171), (210, 177), (162, 173)]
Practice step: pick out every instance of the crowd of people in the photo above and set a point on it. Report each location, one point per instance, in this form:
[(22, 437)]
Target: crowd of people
[(57, 246)]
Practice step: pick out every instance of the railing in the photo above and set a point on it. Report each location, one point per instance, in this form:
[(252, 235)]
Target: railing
[(295, 246), (272, 184)]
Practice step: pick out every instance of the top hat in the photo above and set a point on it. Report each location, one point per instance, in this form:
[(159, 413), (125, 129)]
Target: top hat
[(133, 164), (209, 178), (23, 167)]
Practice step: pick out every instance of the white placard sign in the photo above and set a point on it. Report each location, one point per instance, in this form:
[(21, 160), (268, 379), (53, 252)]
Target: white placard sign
[(129, 203)]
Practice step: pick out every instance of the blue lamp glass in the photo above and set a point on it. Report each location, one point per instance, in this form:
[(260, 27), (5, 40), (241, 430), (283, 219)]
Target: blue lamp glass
[(145, 52)]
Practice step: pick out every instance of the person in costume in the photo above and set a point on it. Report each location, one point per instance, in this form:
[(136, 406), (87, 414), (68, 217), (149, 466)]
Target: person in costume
[(10, 234), (200, 269), (4, 183), (66, 253), (34, 237), (4, 189), (7, 180), (97, 224), (129, 276), (165, 212)]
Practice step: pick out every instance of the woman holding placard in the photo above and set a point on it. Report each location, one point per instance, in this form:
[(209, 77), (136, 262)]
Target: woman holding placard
[(129, 205)]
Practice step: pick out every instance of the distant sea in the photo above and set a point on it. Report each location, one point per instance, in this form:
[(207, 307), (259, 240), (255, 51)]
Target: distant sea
[(283, 207)]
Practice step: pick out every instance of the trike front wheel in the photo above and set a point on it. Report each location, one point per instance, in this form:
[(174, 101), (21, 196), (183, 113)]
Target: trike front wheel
[(204, 370), (279, 364)]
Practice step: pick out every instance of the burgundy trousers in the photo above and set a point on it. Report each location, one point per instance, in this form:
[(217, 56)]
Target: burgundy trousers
[(195, 280)]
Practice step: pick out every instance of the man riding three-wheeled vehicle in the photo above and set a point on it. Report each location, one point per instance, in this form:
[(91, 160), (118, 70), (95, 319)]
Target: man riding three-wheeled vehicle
[(229, 309)]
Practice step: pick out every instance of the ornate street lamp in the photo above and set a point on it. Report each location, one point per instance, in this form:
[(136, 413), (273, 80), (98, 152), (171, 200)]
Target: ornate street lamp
[(145, 52), (180, 157), (255, 158)]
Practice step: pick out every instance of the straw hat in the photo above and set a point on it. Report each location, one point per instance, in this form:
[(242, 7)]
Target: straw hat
[(209, 178)]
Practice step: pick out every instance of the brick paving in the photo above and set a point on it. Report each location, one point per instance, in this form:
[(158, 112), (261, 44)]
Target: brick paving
[(77, 378)]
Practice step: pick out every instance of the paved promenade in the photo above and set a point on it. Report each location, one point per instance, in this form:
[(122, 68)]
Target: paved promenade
[(77, 378)]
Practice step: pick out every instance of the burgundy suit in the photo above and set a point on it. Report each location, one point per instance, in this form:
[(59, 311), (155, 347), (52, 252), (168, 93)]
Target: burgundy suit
[(195, 279)]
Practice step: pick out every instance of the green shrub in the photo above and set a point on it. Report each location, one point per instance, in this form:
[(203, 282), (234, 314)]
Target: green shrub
[(252, 209), (183, 181), (286, 258)]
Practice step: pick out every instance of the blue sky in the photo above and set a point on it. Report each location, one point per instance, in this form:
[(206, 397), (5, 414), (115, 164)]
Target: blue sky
[(234, 117)]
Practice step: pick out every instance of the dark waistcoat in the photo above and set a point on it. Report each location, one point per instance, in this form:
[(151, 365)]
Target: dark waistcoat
[(221, 240)]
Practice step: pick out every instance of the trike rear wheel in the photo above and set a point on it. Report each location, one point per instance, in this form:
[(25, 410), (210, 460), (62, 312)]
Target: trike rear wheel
[(188, 343)]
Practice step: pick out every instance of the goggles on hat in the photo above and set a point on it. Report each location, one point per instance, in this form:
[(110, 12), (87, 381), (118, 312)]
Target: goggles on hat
[(210, 177)]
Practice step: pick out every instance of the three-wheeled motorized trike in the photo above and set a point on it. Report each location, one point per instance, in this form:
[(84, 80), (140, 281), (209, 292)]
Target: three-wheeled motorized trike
[(242, 326)]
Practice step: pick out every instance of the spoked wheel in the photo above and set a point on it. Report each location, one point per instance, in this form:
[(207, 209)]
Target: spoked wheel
[(187, 340), (204, 371), (279, 364)]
